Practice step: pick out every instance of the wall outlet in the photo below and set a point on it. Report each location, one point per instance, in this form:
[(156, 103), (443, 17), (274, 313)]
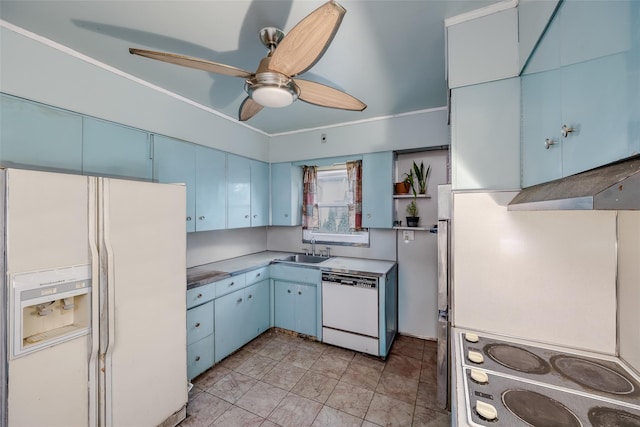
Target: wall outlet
[(408, 235)]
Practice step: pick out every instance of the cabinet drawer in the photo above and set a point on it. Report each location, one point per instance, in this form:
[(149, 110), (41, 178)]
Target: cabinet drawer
[(295, 274), (199, 356), (200, 295), (199, 322), (230, 284), (257, 275)]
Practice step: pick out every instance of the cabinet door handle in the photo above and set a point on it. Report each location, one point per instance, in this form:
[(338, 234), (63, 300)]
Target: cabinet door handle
[(199, 296), (197, 358), (201, 218), (288, 290), (548, 143), (231, 284), (258, 275), (566, 130), (239, 300), (255, 216), (286, 215), (368, 215), (246, 216), (250, 296), (188, 218), (198, 325), (299, 292)]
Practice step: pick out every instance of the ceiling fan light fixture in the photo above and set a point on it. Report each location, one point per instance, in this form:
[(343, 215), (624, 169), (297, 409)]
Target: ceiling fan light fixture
[(275, 97), (271, 89)]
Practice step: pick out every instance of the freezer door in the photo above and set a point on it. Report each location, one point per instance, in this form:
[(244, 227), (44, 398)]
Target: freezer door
[(47, 227), (143, 287)]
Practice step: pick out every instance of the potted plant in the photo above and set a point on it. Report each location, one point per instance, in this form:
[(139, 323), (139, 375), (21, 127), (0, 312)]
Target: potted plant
[(421, 176), (412, 214), (406, 184)]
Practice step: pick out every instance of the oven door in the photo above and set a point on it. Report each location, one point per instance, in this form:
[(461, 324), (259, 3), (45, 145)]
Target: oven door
[(350, 308)]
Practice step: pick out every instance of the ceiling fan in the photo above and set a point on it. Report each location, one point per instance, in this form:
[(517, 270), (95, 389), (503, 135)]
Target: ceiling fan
[(272, 84)]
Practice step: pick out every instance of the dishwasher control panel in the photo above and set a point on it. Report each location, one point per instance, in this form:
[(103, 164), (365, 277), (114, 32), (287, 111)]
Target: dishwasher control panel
[(346, 279)]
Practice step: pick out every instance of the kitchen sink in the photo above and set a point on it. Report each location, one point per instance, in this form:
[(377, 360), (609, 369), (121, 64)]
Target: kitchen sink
[(307, 259)]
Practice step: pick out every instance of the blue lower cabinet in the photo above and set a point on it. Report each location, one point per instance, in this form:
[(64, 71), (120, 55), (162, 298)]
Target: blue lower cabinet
[(229, 316), (284, 304), (200, 356), (199, 322), (240, 317), (256, 309), (305, 309), (295, 307)]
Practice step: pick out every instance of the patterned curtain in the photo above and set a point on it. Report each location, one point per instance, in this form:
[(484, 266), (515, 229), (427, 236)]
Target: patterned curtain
[(354, 175), (310, 198)]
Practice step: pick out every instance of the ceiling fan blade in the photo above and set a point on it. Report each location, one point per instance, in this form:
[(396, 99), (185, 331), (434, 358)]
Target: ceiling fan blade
[(326, 96), (305, 44), (188, 61), (248, 109)]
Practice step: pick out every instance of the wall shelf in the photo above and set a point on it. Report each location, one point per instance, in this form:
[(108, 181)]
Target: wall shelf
[(410, 196), (413, 228)]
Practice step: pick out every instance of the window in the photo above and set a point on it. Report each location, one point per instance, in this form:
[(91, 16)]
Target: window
[(333, 200), (333, 205)]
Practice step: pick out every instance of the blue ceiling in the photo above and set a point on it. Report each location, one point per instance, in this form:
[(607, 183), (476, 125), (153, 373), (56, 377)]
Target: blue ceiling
[(388, 53)]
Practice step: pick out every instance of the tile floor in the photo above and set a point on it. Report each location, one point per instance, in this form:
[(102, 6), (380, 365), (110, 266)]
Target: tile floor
[(282, 380)]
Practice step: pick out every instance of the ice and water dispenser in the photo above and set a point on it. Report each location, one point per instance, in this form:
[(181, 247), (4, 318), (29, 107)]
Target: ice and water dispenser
[(50, 307)]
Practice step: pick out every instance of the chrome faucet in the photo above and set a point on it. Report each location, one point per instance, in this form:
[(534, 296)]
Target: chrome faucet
[(313, 246)]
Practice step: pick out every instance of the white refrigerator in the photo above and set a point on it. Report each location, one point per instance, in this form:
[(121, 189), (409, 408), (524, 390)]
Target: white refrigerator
[(93, 301)]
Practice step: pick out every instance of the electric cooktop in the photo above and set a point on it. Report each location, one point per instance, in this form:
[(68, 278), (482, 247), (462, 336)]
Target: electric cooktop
[(515, 384)]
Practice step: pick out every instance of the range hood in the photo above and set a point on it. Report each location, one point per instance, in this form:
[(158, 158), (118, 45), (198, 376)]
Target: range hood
[(615, 186)]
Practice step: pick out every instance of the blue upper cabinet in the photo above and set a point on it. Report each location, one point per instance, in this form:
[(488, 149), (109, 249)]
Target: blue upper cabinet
[(174, 161), (238, 191), (39, 137), (581, 91), (377, 190), (483, 49), (259, 193), (533, 17), (211, 211), (109, 149), (286, 194), (485, 131), (541, 110)]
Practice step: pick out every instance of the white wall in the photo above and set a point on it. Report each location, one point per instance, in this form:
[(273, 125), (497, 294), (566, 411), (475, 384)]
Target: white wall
[(629, 286), (417, 130), (211, 246), (289, 239), (418, 259), (547, 276), (34, 70)]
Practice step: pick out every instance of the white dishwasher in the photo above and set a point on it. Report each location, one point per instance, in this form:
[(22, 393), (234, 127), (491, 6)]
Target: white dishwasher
[(350, 311)]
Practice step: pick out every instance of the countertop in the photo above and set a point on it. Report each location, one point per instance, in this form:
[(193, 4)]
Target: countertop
[(212, 272)]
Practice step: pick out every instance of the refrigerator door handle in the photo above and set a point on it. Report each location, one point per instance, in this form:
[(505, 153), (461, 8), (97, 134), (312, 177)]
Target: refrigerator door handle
[(95, 306), (107, 306)]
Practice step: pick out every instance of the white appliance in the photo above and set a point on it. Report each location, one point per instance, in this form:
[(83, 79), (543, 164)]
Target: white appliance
[(93, 301), (536, 289), (350, 311), (512, 382), (443, 389)]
